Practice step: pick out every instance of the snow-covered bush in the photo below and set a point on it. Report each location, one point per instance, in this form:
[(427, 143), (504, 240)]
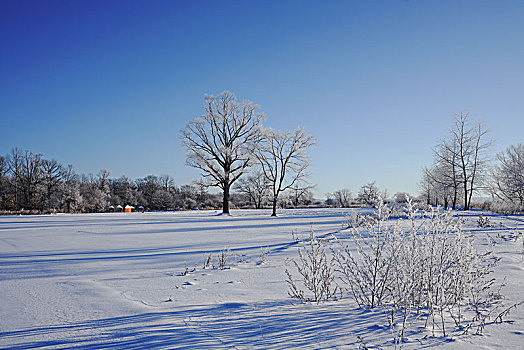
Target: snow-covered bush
[(222, 258), (423, 269), (316, 273), (208, 261), (354, 219), (263, 256), (483, 221), (366, 264)]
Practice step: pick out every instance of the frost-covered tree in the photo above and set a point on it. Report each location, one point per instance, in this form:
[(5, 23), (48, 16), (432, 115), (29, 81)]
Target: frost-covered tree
[(369, 193), (402, 197), (69, 190), (255, 186), (27, 177), (467, 148), (95, 191), (472, 147), (443, 192), (52, 177), (123, 192), (4, 184), (508, 175), (445, 172), (343, 197), (156, 192), (425, 186), (300, 194), (222, 141), (460, 162), (284, 160)]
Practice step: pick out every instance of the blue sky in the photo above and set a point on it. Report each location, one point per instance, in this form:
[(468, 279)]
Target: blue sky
[(109, 84)]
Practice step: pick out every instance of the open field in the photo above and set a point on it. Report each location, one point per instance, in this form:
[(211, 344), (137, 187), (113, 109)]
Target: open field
[(138, 281)]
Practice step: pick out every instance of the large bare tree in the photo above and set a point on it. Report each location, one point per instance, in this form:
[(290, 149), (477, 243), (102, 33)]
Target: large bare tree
[(222, 141), (284, 160)]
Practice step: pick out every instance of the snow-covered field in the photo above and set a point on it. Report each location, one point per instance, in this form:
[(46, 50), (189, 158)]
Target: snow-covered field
[(138, 281)]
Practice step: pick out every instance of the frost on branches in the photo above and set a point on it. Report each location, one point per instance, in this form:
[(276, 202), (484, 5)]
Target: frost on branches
[(316, 273), (221, 143), (423, 271)]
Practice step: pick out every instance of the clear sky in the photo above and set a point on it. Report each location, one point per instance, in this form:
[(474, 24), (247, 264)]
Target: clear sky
[(109, 84)]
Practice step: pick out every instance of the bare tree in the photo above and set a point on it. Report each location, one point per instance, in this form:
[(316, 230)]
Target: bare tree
[(52, 173), (426, 185), (4, 182), (442, 190), (343, 197), (284, 160), (167, 182), (446, 172), (508, 175), (470, 145), (459, 162), (221, 143), (369, 193), (301, 194), (95, 191), (255, 186), (26, 170), (70, 189)]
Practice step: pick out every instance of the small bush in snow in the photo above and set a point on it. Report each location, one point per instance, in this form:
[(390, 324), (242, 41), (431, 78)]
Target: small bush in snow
[(316, 273), (208, 261), (483, 221), (365, 266), (263, 256), (354, 219), (222, 258)]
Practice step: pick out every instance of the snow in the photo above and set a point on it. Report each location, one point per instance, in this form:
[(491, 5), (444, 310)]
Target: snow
[(137, 280)]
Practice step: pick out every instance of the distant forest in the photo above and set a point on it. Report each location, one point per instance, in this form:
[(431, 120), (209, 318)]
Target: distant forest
[(31, 183)]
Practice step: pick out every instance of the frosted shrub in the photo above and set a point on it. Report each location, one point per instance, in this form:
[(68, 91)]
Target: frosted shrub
[(483, 221), (354, 219), (263, 256), (422, 269), (222, 258), (208, 261), (365, 266), (316, 273)]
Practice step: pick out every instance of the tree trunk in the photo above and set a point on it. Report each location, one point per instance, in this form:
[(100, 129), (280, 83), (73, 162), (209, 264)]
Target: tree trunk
[(470, 194), (466, 203), (225, 202), (274, 206)]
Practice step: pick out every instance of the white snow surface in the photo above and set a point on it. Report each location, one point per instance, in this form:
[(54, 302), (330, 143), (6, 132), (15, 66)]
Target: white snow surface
[(119, 281)]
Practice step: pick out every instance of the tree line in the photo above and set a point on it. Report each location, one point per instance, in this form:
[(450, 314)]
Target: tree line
[(30, 182), (258, 166)]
